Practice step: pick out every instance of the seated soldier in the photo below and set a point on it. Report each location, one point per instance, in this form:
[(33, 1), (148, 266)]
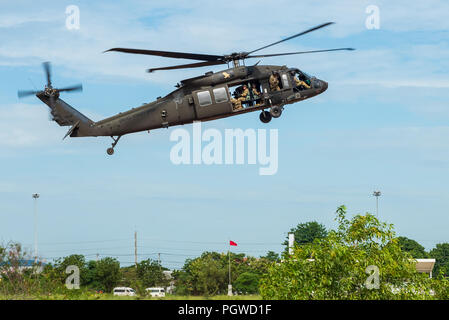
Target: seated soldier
[(244, 95), (256, 94), (274, 83), (236, 104), (302, 85)]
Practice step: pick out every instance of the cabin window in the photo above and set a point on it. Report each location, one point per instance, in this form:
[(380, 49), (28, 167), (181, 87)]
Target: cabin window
[(220, 95), (285, 81), (204, 98)]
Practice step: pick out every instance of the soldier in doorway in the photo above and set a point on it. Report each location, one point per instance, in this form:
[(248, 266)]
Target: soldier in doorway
[(244, 95), (274, 83), (236, 104)]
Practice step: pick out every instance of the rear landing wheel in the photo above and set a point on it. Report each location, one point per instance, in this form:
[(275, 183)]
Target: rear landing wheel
[(110, 151), (276, 111), (265, 116)]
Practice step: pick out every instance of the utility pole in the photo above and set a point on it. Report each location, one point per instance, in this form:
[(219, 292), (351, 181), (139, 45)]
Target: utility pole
[(35, 197), (377, 194), (135, 248)]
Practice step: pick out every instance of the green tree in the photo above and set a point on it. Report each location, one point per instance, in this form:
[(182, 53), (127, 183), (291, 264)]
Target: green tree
[(441, 254), (208, 274), (76, 260), (14, 279), (335, 267), (271, 256), (104, 274), (150, 273), (414, 248), (307, 233), (247, 283), (21, 276)]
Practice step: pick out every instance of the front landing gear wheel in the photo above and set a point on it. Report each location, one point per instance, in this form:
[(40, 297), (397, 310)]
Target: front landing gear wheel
[(276, 111), (265, 116), (110, 151)]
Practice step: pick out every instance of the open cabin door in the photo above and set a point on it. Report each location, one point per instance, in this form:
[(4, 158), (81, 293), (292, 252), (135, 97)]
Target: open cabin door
[(284, 84), (212, 102)]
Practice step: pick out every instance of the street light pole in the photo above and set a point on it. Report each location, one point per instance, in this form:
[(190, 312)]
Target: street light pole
[(377, 194), (35, 197)]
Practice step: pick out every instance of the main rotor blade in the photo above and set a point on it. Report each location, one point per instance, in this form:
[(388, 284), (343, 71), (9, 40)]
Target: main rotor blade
[(190, 65), (78, 87), (47, 70), (294, 36), (299, 52), (170, 54), (26, 93)]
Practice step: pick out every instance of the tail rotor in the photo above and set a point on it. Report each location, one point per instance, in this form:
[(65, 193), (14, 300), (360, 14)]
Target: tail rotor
[(49, 91)]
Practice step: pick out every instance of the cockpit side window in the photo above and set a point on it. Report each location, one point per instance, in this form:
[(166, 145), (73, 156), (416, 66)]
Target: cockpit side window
[(303, 76), (301, 80)]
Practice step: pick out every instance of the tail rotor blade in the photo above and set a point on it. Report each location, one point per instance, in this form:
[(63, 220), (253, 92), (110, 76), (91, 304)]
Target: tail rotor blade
[(26, 93), (47, 70), (78, 87), (49, 91)]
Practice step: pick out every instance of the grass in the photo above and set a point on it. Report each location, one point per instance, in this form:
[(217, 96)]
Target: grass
[(108, 296)]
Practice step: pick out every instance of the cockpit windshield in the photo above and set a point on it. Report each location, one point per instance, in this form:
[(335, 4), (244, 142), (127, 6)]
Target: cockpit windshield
[(305, 74)]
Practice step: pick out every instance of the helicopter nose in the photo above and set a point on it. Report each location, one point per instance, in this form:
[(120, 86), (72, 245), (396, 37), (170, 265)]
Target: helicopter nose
[(325, 85)]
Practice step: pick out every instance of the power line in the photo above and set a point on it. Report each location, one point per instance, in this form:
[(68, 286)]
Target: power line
[(78, 242), (87, 249)]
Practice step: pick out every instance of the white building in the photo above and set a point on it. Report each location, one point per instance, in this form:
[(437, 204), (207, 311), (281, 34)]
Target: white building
[(425, 266)]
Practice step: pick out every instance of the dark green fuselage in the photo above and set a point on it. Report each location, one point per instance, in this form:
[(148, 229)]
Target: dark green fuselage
[(182, 106)]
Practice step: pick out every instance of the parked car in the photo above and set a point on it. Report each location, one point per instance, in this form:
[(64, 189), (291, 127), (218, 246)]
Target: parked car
[(156, 292), (124, 291)]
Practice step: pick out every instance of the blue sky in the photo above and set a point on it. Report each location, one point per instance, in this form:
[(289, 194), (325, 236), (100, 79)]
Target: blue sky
[(382, 124)]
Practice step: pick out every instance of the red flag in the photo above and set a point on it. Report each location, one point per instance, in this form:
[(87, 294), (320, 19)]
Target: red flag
[(232, 243)]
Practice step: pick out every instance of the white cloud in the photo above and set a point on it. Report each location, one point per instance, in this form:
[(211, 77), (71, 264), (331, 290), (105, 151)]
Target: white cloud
[(218, 28), (26, 125)]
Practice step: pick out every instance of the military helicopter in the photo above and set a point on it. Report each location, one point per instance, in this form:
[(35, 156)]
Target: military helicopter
[(267, 88)]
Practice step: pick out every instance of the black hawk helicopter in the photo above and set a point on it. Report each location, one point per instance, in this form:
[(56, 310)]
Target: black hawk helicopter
[(208, 97)]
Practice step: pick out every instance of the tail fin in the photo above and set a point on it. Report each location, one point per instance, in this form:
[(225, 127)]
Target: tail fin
[(65, 115)]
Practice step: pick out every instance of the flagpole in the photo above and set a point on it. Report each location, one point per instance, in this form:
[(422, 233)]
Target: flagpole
[(229, 255), (229, 261)]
